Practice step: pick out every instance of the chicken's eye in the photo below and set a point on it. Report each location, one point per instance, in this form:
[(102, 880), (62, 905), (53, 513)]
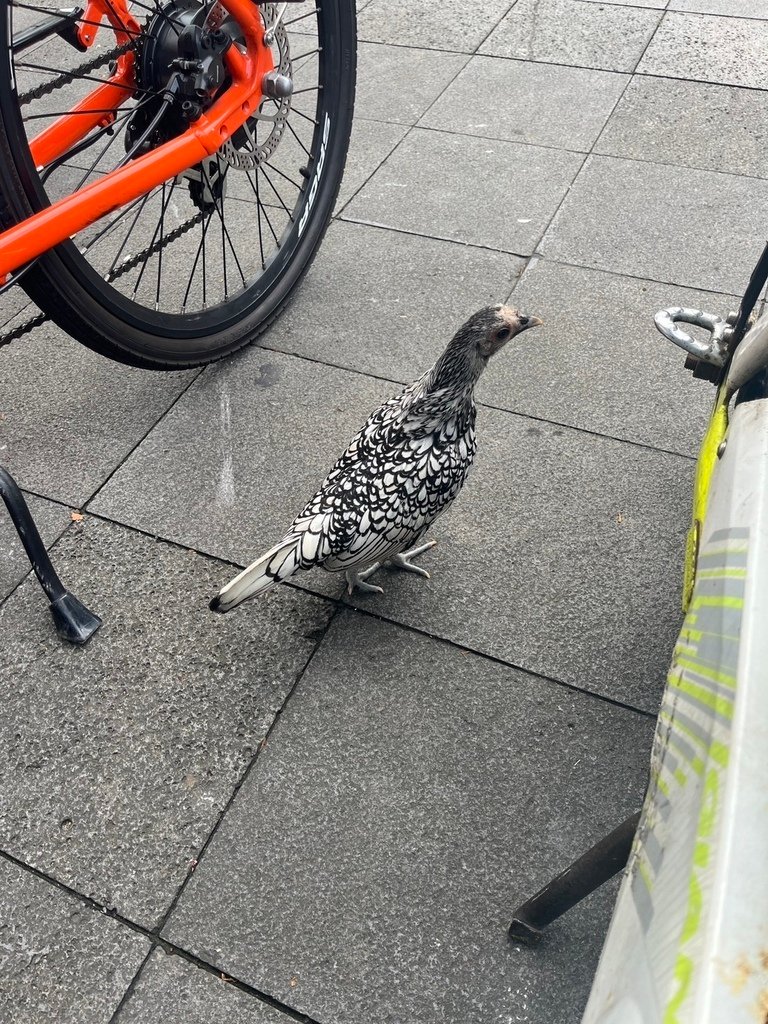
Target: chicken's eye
[(503, 334)]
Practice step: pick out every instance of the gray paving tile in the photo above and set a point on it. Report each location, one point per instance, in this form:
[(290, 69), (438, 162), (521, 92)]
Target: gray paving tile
[(59, 960), (538, 103), (173, 991), (369, 866), (426, 186), (450, 25), (691, 227), (599, 364), (398, 83), (594, 601), (51, 521), (732, 51), (72, 416), (118, 758), (656, 4), (370, 145), (250, 443), (397, 299), (715, 127), (597, 36), (732, 8)]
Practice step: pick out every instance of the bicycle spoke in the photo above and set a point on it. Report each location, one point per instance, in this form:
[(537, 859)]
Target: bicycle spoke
[(261, 205), (147, 254), (162, 239), (280, 198), (201, 248), (272, 167), (115, 136), (293, 133), (132, 89), (224, 231), (140, 210), (301, 17), (312, 120)]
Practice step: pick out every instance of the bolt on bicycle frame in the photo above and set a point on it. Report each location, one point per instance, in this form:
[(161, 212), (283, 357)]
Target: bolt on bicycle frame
[(40, 232)]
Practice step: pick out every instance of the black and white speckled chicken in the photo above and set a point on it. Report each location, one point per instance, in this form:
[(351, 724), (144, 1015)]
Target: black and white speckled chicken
[(401, 471)]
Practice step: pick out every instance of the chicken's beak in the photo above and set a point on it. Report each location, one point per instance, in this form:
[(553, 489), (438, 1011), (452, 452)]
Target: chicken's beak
[(526, 322)]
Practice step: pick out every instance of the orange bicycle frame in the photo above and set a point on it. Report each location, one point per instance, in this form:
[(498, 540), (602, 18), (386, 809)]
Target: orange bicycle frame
[(56, 223)]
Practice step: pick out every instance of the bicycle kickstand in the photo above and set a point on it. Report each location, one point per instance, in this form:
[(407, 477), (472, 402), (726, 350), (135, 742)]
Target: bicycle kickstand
[(601, 862), (73, 621)]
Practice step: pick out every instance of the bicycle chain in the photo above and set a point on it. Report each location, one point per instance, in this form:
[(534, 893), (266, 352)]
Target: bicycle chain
[(44, 90), (67, 77), (133, 261)]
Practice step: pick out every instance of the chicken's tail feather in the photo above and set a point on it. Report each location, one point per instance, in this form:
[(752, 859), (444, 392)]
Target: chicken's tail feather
[(275, 565)]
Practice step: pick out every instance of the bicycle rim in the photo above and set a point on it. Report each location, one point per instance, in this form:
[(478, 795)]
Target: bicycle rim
[(200, 264)]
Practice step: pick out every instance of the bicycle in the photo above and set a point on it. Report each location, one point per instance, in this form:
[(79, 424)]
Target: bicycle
[(161, 199), (210, 136), (688, 936)]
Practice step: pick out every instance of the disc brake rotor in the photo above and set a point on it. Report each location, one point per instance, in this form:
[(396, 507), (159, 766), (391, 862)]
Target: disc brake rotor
[(244, 151)]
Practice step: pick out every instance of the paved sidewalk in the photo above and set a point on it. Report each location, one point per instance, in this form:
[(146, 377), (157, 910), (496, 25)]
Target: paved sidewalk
[(331, 805)]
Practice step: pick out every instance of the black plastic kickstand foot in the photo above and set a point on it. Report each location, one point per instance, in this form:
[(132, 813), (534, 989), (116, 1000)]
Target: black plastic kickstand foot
[(589, 872), (73, 621)]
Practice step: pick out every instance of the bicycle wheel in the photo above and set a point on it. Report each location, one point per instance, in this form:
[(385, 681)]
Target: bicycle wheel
[(201, 264)]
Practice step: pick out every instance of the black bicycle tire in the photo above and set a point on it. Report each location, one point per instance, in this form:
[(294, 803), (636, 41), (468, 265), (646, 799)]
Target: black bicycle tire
[(59, 282)]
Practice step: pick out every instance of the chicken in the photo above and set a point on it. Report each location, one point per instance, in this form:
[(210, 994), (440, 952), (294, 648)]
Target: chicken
[(400, 472)]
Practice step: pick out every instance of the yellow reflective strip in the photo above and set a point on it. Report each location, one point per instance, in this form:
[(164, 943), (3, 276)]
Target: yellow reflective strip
[(723, 601), (645, 875), (717, 750), (684, 966), (708, 672), (697, 764), (742, 548), (686, 648), (699, 634), (701, 855), (724, 573), (722, 705)]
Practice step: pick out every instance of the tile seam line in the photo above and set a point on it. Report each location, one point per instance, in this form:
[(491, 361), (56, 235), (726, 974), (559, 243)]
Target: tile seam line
[(340, 604), (623, 7), (589, 155), (570, 262), (144, 436), (49, 547), (487, 405), (705, 14), (565, 149), (585, 159), (526, 257), (261, 746), (491, 30), (582, 67), (157, 942), (540, 677), (623, 91), (83, 506), (641, 73), (125, 997), (612, 71), (659, 163), (409, 128)]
